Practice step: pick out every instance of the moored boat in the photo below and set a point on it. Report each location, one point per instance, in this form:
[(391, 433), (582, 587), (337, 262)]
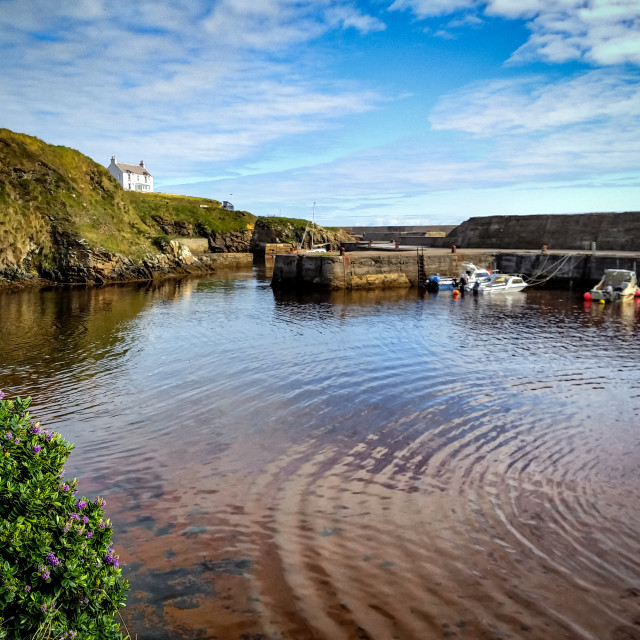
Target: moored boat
[(471, 274), (500, 282), (614, 285)]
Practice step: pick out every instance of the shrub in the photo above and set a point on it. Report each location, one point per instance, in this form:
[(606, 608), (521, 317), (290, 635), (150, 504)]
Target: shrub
[(59, 575)]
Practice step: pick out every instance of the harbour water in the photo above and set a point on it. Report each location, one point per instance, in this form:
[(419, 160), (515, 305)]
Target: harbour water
[(368, 465)]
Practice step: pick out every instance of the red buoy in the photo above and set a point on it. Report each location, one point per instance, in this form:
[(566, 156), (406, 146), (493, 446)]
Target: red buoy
[(638, 293), (588, 296)]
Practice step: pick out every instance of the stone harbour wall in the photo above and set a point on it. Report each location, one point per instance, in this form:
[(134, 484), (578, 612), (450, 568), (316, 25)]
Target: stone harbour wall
[(609, 232), (364, 270)]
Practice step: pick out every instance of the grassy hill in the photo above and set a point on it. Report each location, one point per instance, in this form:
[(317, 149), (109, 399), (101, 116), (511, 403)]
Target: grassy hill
[(52, 195)]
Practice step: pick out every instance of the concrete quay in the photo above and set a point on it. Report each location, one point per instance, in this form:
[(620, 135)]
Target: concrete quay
[(390, 269)]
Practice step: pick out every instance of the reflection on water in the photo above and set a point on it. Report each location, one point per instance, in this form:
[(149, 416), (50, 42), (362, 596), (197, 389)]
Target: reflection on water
[(355, 465)]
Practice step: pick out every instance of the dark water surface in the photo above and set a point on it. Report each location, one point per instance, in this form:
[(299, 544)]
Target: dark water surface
[(369, 465)]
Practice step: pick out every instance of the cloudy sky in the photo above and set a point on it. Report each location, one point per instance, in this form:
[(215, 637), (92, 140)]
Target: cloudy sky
[(380, 112)]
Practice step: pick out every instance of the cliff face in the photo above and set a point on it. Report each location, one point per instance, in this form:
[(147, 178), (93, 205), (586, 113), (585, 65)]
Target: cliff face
[(64, 219), (274, 230)]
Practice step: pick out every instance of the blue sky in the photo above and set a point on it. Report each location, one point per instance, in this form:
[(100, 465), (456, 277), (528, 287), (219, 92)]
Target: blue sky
[(381, 112)]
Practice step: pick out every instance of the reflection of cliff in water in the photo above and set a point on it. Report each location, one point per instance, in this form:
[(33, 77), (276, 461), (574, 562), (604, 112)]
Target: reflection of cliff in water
[(85, 327)]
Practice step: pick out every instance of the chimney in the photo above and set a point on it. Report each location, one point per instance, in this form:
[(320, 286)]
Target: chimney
[(113, 159), (142, 163)]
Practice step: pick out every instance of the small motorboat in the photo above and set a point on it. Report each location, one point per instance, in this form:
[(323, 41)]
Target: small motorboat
[(436, 282), (614, 285), (471, 274), (500, 282)]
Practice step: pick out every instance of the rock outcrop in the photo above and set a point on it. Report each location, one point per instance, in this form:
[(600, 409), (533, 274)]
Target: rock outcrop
[(294, 231)]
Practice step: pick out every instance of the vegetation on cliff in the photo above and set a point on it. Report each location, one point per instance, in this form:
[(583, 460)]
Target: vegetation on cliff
[(273, 229), (53, 197)]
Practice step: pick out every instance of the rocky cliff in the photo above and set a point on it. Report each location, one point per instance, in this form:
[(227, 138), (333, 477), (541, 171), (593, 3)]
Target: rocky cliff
[(64, 219), (294, 231)]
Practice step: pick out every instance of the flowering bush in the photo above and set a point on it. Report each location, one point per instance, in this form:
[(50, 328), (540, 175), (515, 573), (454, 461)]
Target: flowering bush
[(59, 575)]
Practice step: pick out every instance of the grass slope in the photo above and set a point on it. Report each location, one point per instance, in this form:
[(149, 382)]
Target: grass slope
[(48, 190)]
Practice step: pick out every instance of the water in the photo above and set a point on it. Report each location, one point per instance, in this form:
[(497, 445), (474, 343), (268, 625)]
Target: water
[(368, 465)]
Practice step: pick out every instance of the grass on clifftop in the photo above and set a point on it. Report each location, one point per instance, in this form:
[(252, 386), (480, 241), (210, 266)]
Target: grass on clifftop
[(275, 222), (199, 212), (48, 190)]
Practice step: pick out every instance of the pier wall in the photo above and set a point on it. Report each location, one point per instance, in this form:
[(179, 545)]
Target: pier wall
[(365, 270), (609, 232), (564, 268), (384, 270)]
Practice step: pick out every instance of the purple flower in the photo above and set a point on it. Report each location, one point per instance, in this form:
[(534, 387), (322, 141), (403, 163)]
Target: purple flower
[(52, 560), (66, 528), (45, 575), (61, 474), (85, 520), (109, 558), (17, 440), (8, 435), (35, 428), (81, 504), (43, 607), (74, 516), (36, 449), (65, 487), (1, 395), (27, 588), (89, 534), (102, 524), (116, 562)]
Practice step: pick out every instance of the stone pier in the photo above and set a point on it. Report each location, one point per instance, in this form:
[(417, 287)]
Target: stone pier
[(365, 269), (382, 270)]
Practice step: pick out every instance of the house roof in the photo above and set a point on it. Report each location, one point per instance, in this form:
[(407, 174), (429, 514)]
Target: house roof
[(134, 168)]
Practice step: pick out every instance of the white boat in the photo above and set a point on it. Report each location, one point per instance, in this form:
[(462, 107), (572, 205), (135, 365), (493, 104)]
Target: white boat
[(313, 248), (615, 284), (500, 282), (473, 274)]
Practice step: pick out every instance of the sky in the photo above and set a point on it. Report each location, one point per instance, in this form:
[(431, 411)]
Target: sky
[(411, 112)]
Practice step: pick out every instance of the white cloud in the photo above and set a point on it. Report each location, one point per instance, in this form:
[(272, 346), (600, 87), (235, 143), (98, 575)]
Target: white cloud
[(601, 32), (429, 8), (534, 104)]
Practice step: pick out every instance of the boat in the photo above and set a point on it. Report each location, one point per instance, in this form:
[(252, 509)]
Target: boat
[(313, 248), (436, 282), (500, 282), (614, 285), (472, 274)]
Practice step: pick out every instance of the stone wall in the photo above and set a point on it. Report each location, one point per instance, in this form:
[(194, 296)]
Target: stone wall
[(364, 270), (610, 232), (565, 269)]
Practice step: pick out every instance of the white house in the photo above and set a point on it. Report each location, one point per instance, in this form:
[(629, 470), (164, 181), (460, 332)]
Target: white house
[(134, 177)]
